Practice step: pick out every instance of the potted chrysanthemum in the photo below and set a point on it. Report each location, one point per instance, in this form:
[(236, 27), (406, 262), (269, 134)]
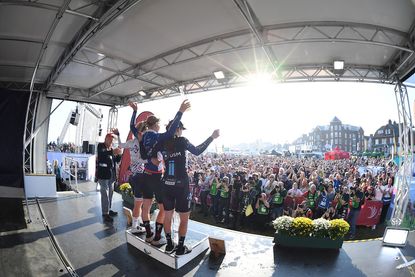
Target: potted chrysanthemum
[(127, 193), (307, 233)]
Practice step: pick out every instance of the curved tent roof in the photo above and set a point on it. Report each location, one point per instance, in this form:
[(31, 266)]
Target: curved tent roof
[(108, 52)]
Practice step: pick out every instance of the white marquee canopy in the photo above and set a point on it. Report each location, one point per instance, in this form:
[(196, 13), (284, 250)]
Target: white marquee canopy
[(108, 52)]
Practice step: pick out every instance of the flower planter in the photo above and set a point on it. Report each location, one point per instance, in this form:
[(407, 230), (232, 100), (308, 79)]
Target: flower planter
[(129, 202), (128, 199), (307, 242)]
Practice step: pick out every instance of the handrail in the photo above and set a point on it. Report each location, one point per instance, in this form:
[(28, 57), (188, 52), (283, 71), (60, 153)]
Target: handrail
[(67, 170)]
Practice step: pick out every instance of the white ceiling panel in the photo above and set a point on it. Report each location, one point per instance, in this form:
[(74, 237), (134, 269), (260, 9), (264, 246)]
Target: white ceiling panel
[(26, 22), (82, 76), (52, 54), (20, 52), (129, 87), (153, 27), (22, 74), (310, 53), (83, 6), (246, 61), (175, 42), (397, 14), (68, 26)]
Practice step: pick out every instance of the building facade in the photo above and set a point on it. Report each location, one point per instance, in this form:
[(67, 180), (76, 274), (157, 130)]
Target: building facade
[(324, 138), (385, 139)]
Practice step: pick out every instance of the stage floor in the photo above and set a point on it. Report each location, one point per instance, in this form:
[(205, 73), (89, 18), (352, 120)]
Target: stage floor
[(97, 249)]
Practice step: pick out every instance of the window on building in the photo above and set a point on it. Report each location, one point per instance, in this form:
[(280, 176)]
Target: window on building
[(335, 128), (376, 141), (336, 141), (380, 132), (384, 141)]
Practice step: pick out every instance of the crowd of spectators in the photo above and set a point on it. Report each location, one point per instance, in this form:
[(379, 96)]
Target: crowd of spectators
[(244, 190), (64, 147)]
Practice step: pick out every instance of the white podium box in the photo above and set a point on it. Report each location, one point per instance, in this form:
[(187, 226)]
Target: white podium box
[(40, 185), (198, 241)]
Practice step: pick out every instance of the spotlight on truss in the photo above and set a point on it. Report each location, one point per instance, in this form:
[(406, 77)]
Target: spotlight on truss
[(219, 74)]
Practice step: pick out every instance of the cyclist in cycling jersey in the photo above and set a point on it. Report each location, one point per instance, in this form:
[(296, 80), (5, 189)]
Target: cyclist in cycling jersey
[(153, 170), (175, 184)]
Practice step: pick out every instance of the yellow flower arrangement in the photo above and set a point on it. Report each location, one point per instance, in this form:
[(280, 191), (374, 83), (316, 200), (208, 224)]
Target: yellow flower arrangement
[(126, 189), (302, 227), (338, 228)]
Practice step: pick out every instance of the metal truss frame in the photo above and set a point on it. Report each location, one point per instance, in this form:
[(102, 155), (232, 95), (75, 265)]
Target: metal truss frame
[(29, 127), (121, 76), (20, 86), (57, 91), (362, 33), (404, 175), (112, 119), (34, 96), (258, 31), (403, 62), (48, 6), (157, 85), (106, 15)]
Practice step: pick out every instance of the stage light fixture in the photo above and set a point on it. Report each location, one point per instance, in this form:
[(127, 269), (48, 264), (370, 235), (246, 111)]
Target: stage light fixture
[(338, 65), (219, 75), (395, 236), (142, 93)]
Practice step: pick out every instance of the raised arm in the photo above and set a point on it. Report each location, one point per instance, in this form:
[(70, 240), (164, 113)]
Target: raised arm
[(197, 150), (175, 123), (133, 129)]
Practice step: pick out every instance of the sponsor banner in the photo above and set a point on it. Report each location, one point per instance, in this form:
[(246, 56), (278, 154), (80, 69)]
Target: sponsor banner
[(370, 213), (124, 172)]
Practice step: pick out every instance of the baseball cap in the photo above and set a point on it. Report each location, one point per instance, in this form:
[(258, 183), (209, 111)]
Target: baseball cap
[(181, 126)]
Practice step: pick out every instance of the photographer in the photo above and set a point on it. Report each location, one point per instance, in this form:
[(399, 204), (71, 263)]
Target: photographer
[(224, 200), (387, 192), (236, 195), (324, 201), (204, 182), (243, 204), (311, 197), (295, 191), (278, 195), (214, 195), (356, 201), (262, 211), (342, 202), (269, 185), (370, 193)]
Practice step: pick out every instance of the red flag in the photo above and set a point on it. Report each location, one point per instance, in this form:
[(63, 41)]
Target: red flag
[(370, 213)]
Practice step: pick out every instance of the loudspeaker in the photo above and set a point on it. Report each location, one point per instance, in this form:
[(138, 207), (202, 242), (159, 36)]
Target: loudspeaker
[(85, 144), (74, 118), (91, 149)]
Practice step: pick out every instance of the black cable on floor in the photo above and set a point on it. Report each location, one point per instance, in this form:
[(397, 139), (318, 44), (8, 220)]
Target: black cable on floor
[(55, 244)]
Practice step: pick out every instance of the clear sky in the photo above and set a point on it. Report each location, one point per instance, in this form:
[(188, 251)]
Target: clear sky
[(275, 113)]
